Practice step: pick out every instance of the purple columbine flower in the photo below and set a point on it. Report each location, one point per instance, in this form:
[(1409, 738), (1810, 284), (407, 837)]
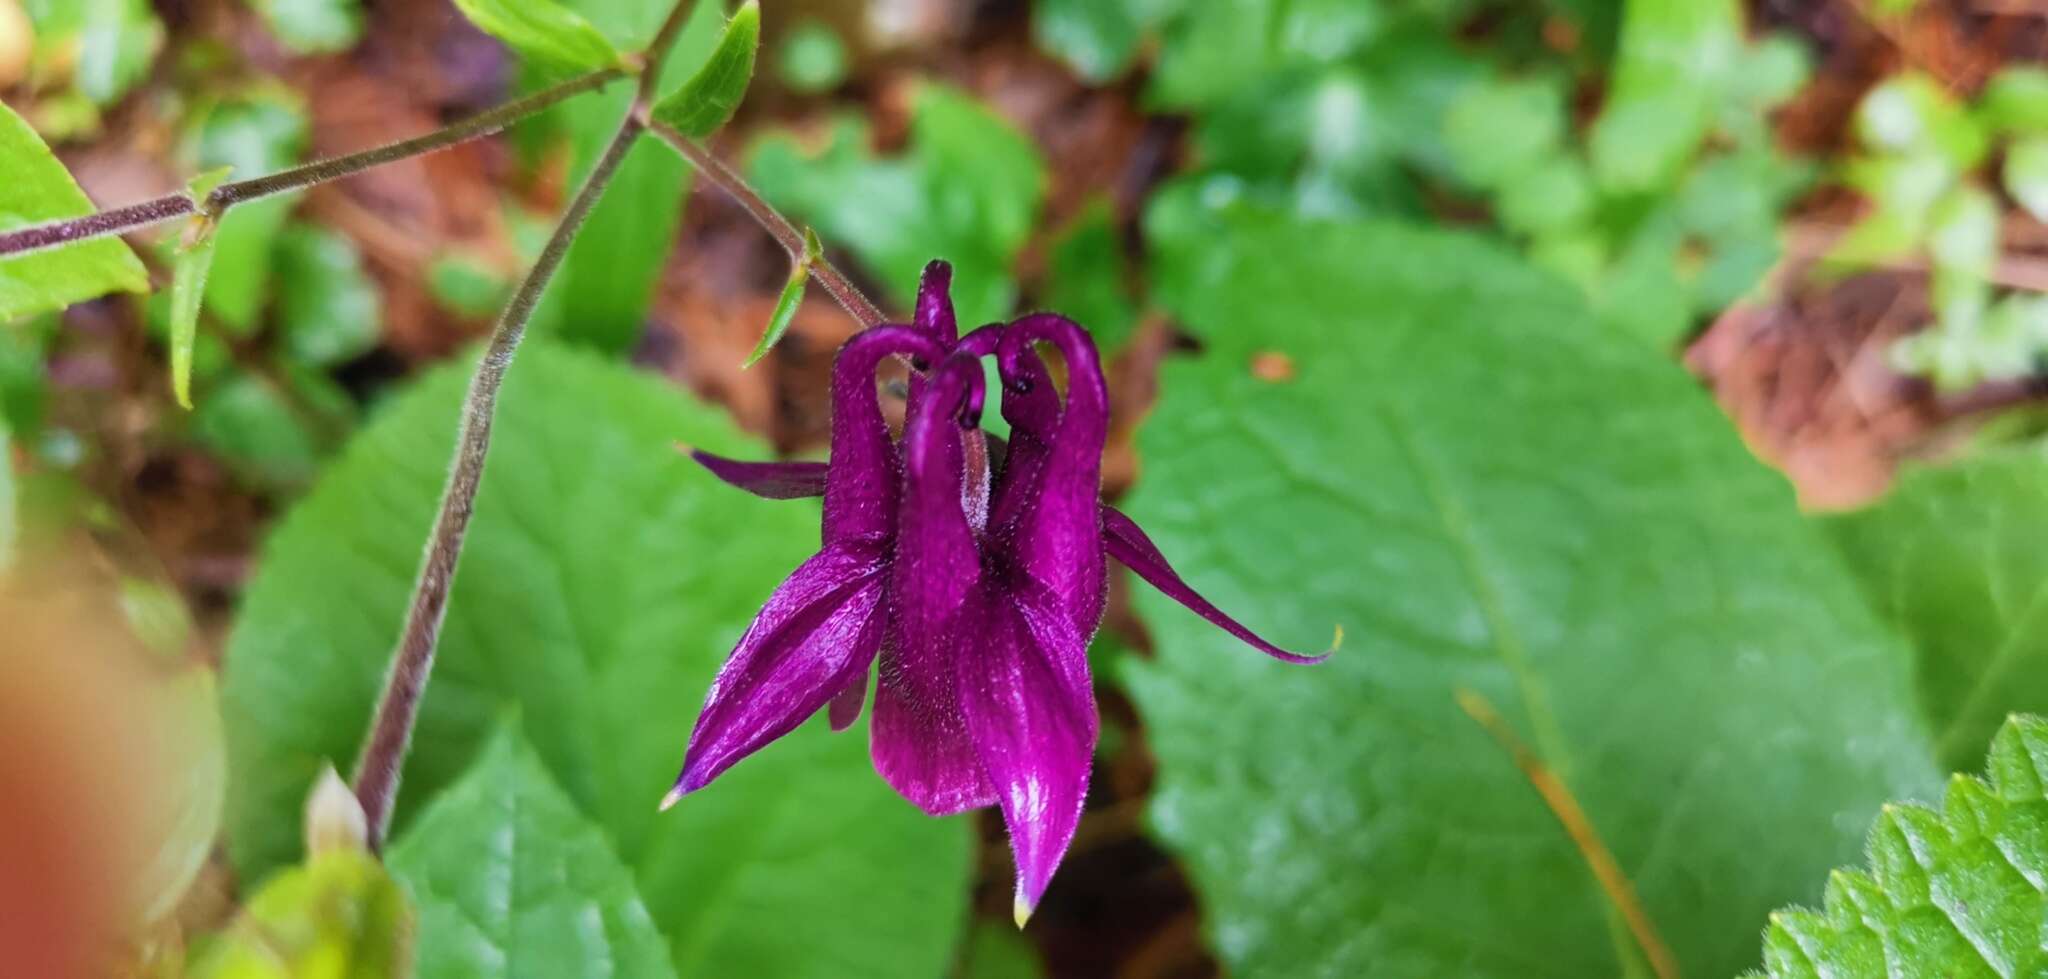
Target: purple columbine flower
[(978, 589)]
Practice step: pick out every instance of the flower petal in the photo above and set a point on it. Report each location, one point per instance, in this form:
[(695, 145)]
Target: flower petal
[(820, 628), (1031, 714), (935, 302), (1127, 542), (860, 485), (919, 741), (846, 704), (1058, 532), (1031, 404), (768, 480)]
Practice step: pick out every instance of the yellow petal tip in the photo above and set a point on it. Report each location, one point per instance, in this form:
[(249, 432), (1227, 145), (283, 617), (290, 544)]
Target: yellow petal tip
[(1020, 910), (668, 801)]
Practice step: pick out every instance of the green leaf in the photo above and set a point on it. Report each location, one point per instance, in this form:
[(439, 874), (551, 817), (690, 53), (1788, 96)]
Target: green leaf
[(1487, 492), (1952, 892), (1949, 557), (2026, 175), (542, 31), (1212, 50), (813, 58), (188, 284), (708, 99), (604, 580), (1912, 113), (1500, 129), (1676, 58), (191, 259), (39, 189), (2016, 100), (1085, 276), (1097, 38), (785, 306), (259, 131), (511, 880), (314, 26), (105, 46), (260, 431), (1769, 73), (466, 286), (967, 189), (327, 306), (338, 915), (1554, 195)]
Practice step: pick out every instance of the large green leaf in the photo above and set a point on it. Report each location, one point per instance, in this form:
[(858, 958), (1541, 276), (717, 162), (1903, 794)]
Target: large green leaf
[(1953, 558), (1955, 892), (967, 190), (511, 880), (603, 582), (1487, 492), (39, 189)]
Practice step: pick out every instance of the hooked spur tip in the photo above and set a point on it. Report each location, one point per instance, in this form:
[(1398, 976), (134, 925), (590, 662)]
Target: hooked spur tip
[(668, 801), (1020, 909)]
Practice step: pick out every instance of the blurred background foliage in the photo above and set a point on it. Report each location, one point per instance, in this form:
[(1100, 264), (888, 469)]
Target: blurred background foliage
[(1476, 326)]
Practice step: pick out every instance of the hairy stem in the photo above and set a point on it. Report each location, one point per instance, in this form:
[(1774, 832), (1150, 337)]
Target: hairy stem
[(792, 240), (377, 771), (169, 207)]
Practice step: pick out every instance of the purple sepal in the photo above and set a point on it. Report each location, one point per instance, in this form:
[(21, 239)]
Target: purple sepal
[(1129, 545), (819, 629), (768, 480)]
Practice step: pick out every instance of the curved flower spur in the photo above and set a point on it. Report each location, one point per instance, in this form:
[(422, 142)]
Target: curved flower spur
[(980, 595)]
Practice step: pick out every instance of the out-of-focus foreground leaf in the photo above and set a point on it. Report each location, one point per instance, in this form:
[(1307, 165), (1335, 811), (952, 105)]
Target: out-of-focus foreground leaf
[(114, 780), (39, 189), (340, 914), (604, 580), (511, 880), (1954, 892), (1953, 558), (1565, 525)]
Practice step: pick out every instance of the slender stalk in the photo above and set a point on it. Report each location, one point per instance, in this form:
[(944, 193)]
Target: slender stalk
[(169, 207), (792, 240), (120, 220), (377, 771)]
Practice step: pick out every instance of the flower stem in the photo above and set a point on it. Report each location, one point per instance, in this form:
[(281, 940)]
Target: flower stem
[(169, 207), (377, 771), (828, 275)]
